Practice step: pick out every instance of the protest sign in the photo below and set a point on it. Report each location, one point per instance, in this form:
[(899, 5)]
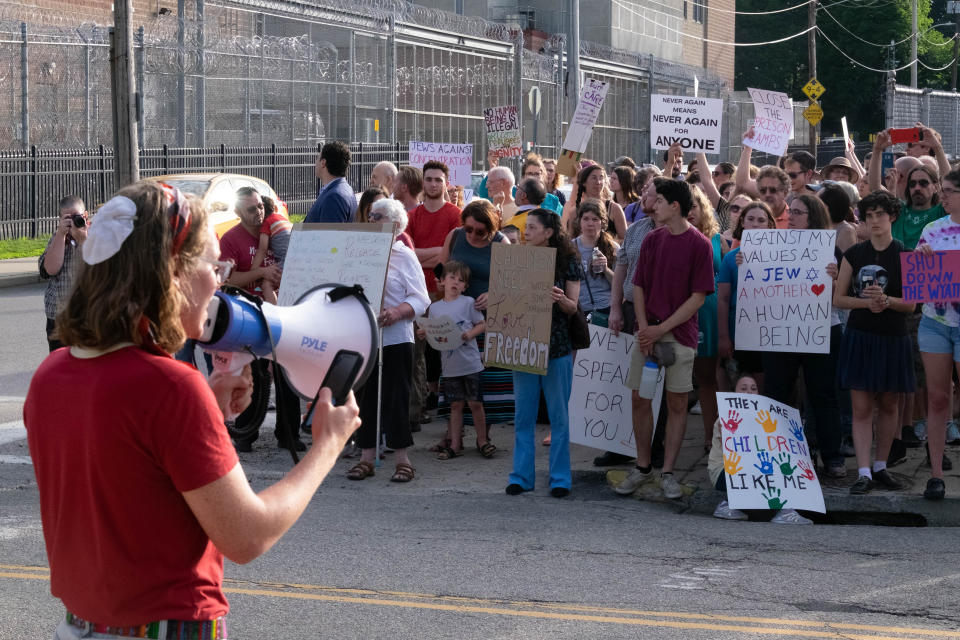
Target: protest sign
[(337, 253), (773, 121), (592, 95), (457, 157), (693, 122), (766, 460), (519, 307), (934, 278), (600, 407), (443, 334), (783, 293), (503, 130)]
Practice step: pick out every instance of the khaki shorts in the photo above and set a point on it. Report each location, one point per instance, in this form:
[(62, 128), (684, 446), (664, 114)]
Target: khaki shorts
[(678, 376)]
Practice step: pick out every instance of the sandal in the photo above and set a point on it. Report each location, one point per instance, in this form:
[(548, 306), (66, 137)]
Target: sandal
[(361, 470), (448, 454), (440, 446), (403, 473), (486, 449), (546, 441)]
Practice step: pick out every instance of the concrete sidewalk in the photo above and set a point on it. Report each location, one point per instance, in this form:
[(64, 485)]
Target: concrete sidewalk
[(16, 272)]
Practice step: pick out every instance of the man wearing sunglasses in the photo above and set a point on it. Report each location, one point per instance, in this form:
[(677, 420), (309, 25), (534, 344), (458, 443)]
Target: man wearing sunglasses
[(922, 197), (772, 184), (801, 167)]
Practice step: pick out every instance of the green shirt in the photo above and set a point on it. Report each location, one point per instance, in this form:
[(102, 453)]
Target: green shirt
[(910, 223)]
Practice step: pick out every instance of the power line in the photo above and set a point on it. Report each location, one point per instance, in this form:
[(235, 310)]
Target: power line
[(867, 67), (703, 3), (875, 44)]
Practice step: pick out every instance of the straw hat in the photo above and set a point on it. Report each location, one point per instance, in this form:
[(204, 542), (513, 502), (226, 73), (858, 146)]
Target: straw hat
[(841, 163)]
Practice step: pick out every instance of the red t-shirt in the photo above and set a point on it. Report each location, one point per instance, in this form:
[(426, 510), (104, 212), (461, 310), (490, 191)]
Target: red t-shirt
[(429, 229), (274, 224), (115, 440), (239, 245), (669, 270)]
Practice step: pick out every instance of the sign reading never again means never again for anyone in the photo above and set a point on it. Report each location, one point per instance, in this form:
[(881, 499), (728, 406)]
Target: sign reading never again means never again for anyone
[(693, 122)]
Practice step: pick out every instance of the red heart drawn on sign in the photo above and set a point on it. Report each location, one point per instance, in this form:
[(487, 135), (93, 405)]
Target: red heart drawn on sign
[(818, 288)]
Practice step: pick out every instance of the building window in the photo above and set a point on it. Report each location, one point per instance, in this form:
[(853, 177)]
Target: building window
[(684, 9), (699, 11)]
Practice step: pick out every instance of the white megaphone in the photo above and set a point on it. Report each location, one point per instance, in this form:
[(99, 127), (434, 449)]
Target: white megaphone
[(328, 338)]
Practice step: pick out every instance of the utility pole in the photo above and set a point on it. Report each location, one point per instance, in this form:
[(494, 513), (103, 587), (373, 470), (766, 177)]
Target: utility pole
[(812, 62), (956, 44), (913, 45), (126, 157), (573, 56)]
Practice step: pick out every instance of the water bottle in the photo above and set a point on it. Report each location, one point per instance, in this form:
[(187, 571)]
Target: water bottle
[(648, 380), (594, 267)]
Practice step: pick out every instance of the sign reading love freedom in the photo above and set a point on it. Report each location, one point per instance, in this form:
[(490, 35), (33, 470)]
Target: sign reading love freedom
[(934, 278), (457, 157), (503, 130), (519, 307), (693, 122), (592, 95), (600, 409), (766, 460), (783, 290), (773, 121)]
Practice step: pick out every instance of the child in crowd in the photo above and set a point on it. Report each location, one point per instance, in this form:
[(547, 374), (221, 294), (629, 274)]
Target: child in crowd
[(461, 366), (274, 237), (512, 233), (876, 356), (715, 467)]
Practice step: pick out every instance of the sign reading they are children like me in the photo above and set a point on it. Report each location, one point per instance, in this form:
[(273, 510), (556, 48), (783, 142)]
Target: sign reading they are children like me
[(766, 458), (503, 130), (773, 121), (783, 291), (519, 307), (693, 122), (457, 157), (931, 278)]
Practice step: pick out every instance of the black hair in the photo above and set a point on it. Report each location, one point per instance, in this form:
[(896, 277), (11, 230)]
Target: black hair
[(817, 217), (558, 240), (675, 191), (536, 192), (805, 159), (880, 200), (931, 174), (436, 164), (837, 202), (337, 156), (243, 192), (726, 168), (71, 200)]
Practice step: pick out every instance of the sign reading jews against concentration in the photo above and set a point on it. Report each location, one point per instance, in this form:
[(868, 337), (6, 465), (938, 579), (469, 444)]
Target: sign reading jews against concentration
[(693, 122), (766, 458), (503, 130), (592, 95), (600, 409), (783, 291), (773, 121), (934, 278), (519, 307), (457, 157)]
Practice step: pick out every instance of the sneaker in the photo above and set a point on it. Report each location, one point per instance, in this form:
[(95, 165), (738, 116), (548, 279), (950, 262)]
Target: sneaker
[(947, 465), (671, 488), (862, 486), (611, 459), (898, 453), (908, 436), (633, 481), (724, 512), (884, 480), (920, 429), (837, 470), (953, 432), (243, 446), (846, 447), (790, 516), (514, 489), (559, 492), (935, 489), (696, 410)]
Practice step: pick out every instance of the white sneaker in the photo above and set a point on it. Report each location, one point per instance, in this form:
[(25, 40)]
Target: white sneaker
[(789, 516), (953, 432), (671, 488), (633, 482), (920, 429), (696, 409), (724, 512)]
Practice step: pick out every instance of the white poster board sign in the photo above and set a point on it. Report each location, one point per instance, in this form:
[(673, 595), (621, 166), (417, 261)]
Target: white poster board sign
[(457, 157), (443, 334), (503, 130), (592, 95), (766, 460), (337, 253), (783, 291), (773, 121), (600, 411), (693, 122)]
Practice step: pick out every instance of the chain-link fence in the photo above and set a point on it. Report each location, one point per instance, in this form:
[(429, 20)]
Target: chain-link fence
[(905, 107)]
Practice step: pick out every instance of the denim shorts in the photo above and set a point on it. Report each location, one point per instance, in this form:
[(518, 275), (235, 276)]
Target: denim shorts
[(936, 337)]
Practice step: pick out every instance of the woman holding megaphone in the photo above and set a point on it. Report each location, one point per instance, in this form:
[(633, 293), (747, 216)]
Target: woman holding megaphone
[(141, 491)]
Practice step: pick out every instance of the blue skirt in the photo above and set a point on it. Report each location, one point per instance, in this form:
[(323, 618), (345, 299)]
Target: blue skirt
[(876, 363)]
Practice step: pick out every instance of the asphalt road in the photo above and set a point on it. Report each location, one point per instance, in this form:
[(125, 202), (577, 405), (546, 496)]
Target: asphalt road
[(451, 556)]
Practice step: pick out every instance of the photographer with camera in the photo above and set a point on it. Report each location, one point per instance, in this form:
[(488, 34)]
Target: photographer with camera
[(59, 261)]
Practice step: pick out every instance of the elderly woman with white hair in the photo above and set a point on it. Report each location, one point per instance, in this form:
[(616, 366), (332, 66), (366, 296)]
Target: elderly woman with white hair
[(404, 298)]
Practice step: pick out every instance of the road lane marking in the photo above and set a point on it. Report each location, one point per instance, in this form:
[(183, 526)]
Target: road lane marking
[(12, 432), (4, 459), (552, 611)]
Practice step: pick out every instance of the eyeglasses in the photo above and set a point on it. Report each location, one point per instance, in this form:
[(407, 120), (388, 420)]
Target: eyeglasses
[(922, 183), (768, 189), (221, 268), (475, 231), (794, 174), (798, 212), (375, 217), (947, 192), (735, 208)]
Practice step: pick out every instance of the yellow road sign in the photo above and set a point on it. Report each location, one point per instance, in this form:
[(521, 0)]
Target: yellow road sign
[(813, 114), (813, 89)]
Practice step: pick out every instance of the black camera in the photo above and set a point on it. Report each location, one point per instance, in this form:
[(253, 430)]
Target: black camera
[(78, 220)]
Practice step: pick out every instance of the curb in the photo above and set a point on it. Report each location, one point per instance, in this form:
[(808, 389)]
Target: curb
[(18, 280)]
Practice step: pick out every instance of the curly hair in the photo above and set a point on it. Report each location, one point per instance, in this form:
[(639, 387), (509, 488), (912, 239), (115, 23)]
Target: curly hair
[(706, 222)]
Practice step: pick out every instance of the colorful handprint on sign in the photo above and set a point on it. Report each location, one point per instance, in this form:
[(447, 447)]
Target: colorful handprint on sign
[(796, 430), (766, 421), (773, 500), (784, 461), (732, 423), (732, 464), (766, 463), (805, 468)]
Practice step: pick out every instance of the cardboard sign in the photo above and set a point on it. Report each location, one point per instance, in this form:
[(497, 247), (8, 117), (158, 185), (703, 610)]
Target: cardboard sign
[(934, 278), (783, 292), (337, 253), (503, 130), (693, 122), (600, 408), (592, 95), (773, 124), (443, 334), (520, 307), (766, 459), (457, 157)]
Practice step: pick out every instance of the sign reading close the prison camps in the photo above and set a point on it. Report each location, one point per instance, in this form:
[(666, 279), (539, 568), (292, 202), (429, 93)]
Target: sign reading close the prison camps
[(592, 95), (457, 157), (693, 122), (784, 293), (519, 307), (773, 121)]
